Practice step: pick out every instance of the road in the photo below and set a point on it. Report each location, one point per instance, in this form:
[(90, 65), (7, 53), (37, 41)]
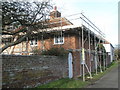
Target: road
[(110, 80)]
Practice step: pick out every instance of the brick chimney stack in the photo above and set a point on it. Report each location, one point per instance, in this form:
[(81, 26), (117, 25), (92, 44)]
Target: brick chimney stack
[(55, 8), (55, 13)]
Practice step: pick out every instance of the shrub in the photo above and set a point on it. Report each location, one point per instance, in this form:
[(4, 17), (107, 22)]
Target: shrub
[(55, 51), (36, 51)]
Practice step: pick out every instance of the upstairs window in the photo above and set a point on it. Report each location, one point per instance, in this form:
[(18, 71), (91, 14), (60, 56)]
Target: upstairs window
[(59, 39)]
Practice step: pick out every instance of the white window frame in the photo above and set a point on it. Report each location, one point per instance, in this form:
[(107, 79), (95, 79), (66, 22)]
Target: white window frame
[(58, 38), (10, 27), (34, 41)]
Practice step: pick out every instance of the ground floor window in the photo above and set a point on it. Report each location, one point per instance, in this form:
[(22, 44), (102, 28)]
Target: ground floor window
[(33, 42)]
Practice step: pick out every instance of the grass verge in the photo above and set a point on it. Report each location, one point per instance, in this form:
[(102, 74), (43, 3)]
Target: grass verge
[(65, 83), (72, 83)]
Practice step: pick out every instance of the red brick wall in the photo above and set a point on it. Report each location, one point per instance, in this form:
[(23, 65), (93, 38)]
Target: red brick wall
[(69, 43), (76, 64)]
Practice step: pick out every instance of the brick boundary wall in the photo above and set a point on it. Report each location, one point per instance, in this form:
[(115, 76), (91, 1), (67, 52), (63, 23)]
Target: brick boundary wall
[(30, 71)]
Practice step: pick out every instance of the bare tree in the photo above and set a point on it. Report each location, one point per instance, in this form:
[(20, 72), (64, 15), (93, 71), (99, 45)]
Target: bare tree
[(26, 18)]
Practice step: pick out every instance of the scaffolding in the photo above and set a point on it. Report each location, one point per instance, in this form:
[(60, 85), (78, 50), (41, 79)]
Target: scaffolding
[(102, 35), (98, 35), (96, 38)]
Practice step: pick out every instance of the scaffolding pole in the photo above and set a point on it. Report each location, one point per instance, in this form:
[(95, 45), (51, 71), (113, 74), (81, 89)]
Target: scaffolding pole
[(89, 51), (100, 64), (79, 48), (83, 59), (95, 55), (104, 60), (99, 59)]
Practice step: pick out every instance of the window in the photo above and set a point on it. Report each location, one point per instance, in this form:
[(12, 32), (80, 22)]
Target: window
[(10, 28), (33, 42), (58, 39)]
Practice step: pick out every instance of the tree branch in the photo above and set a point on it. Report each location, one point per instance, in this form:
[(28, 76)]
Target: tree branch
[(14, 43)]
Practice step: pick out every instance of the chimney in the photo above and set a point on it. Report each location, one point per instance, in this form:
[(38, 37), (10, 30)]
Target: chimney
[(55, 8), (55, 13)]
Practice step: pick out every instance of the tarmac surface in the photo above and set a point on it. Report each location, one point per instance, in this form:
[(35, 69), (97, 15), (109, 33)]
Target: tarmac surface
[(109, 80)]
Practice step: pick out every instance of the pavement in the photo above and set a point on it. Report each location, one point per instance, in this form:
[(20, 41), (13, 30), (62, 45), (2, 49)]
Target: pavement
[(109, 80)]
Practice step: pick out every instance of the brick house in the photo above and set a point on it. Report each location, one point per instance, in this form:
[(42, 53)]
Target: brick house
[(62, 33)]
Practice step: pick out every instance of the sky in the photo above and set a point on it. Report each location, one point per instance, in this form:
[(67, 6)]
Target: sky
[(103, 13)]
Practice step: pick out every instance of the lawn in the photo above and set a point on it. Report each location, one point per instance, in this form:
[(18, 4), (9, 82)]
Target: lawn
[(65, 83), (77, 83)]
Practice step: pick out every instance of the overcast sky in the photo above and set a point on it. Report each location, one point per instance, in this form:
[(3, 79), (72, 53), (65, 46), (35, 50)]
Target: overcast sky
[(103, 13)]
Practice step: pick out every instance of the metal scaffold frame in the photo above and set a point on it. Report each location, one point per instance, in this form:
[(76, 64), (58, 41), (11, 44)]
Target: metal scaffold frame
[(82, 49), (86, 20), (90, 24)]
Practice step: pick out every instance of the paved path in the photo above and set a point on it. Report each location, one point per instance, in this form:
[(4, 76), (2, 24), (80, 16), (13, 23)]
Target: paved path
[(110, 80)]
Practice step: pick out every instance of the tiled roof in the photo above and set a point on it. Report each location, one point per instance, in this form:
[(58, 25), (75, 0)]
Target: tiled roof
[(57, 22)]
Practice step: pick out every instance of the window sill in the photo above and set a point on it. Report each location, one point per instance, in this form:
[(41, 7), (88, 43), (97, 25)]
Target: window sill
[(58, 43), (33, 45)]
